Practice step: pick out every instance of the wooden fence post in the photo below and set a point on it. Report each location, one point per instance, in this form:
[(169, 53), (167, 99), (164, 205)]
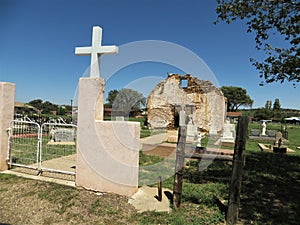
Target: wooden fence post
[(237, 171), (159, 189), (180, 155)]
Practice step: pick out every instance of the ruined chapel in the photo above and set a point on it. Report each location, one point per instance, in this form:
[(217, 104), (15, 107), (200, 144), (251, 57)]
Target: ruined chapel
[(208, 102)]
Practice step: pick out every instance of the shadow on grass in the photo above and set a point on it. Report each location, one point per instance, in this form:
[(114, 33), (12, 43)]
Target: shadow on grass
[(271, 189)]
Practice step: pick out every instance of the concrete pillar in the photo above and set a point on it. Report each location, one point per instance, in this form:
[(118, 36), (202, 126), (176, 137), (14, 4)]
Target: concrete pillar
[(107, 151), (7, 103)]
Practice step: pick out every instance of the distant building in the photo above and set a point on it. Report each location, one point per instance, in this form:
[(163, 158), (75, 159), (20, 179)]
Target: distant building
[(292, 120), (233, 116), (23, 108)]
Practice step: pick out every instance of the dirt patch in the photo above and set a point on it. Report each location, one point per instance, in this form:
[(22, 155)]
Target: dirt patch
[(159, 150)]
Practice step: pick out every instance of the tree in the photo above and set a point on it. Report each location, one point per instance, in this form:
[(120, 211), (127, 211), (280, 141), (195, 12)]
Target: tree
[(263, 114), (267, 19), (276, 105), (128, 100), (46, 106), (268, 104), (111, 97), (37, 103), (236, 97)]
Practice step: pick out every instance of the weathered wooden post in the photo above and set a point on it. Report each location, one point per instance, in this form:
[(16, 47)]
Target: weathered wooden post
[(180, 154), (159, 189), (237, 171)]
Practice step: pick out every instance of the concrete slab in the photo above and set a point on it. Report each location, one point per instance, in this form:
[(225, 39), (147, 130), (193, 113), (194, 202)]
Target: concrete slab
[(154, 139), (144, 200), (267, 148), (41, 178), (65, 163)]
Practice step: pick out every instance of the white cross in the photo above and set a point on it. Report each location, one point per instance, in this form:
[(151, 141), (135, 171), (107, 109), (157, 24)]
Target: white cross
[(96, 50)]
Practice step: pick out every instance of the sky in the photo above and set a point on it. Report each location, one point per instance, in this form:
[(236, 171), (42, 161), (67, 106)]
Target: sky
[(155, 37)]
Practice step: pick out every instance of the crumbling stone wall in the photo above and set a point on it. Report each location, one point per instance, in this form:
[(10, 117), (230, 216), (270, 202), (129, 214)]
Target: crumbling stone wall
[(208, 100)]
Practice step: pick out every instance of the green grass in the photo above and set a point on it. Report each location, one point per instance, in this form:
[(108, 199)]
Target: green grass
[(24, 150), (59, 195)]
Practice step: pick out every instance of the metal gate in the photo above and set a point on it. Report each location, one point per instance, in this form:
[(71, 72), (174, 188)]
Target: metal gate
[(50, 147), (23, 144)]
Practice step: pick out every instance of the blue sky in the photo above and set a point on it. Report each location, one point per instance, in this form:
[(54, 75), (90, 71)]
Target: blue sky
[(38, 40)]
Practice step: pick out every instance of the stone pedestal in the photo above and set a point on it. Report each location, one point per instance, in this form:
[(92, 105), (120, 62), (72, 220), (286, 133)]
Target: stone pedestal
[(7, 102), (107, 151)]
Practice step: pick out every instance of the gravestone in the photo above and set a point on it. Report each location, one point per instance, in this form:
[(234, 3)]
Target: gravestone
[(255, 132), (228, 137), (63, 135), (272, 133), (191, 131)]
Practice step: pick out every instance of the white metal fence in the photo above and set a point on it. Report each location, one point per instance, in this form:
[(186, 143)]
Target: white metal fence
[(49, 147), (23, 144)]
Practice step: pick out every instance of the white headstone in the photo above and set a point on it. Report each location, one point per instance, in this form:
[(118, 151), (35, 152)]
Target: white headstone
[(192, 129), (228, 132), (96, 50)]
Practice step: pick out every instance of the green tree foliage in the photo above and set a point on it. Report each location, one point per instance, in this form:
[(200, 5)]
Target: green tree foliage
[(263, 114), (46, 106), (236, 97), (37, 103), (276, 105), (128, 100), (267, 19), (268, 104), (111, 97)]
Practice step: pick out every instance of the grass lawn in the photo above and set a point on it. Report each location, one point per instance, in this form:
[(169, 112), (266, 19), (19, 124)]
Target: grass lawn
[(270, 194)]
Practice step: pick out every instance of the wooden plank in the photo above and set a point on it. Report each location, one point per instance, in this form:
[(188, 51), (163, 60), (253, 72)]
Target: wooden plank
[(180, 154), (209, 157), (237, 170)]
